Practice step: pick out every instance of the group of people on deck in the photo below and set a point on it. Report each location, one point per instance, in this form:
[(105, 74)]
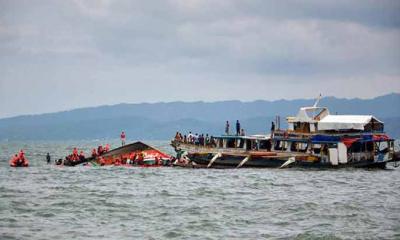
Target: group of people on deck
[(206, 140), (196, 139), (239, 131)]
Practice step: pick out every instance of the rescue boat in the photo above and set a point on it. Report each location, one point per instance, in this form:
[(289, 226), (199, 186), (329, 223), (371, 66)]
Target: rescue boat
[(17, 161)]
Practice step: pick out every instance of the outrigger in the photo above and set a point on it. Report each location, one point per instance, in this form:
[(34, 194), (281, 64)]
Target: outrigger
[(314, 138)]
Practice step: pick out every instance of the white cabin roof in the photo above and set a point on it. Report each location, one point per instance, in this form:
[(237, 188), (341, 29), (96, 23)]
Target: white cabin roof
[(309, 114), (340, 122)]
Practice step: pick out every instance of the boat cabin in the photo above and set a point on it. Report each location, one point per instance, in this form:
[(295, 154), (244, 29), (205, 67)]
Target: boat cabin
[(307, 119), (350, 123)]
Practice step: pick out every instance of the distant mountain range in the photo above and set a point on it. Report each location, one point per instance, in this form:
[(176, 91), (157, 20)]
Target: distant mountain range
[(161, 120)]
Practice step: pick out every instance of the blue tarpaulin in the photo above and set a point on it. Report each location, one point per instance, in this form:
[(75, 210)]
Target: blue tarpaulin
[(325, 138)]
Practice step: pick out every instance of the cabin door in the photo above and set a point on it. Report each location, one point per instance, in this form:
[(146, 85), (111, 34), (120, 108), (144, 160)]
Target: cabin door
[(333, 156), (342, 152)]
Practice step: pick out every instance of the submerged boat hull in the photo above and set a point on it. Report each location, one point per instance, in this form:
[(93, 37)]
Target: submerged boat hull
[(230, 161), (228, 158)]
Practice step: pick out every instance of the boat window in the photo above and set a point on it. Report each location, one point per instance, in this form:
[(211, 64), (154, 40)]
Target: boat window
[(231, 143), (293, 147), (357, 147), (277, 145), (316, 148), (220, 143), (248, 144), (370, 146), (241, 142), (302, 147), (302, 127), (280, 145), (265, 144)]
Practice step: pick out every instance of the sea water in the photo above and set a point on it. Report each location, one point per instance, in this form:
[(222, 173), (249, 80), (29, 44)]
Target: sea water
[(54, 202)]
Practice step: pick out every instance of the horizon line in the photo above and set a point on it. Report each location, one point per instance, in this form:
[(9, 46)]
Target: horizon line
[(189, 102)]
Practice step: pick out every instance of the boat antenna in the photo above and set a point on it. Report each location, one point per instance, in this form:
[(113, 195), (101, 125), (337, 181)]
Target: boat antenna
[(317, 100)]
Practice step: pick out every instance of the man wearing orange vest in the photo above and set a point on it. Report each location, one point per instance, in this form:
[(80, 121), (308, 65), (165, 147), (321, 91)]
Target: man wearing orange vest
[(94, 152)]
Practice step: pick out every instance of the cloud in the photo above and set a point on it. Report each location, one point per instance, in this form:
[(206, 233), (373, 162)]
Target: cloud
[(194, 50)]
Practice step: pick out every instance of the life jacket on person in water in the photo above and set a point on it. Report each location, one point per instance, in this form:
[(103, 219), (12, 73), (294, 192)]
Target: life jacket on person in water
[(102, 161), (132, 156), (14, 160), (100, 150), (19, 160), (94, 152), (21, 154), (81, 156), (140, 159), (117, 162)]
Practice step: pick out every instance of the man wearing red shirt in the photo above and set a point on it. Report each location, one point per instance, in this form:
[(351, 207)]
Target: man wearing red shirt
[(123, 138)]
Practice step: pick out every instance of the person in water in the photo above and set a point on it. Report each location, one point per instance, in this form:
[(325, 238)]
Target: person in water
[(81, 156), (94, 152), (123, 137), (100, 150), (75, 155), (48, 158), (102, 161)]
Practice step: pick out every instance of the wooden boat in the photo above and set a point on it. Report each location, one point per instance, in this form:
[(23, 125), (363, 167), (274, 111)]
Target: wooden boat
[(314, 138), (134, 154)]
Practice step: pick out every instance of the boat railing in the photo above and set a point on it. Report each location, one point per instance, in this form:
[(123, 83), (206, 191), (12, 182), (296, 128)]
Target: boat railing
[(304, 135)]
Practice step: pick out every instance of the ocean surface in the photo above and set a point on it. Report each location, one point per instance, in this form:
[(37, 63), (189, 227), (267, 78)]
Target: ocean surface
[(53, 202)]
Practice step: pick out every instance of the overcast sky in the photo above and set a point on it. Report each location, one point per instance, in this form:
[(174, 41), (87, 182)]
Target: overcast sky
[(57, 55)]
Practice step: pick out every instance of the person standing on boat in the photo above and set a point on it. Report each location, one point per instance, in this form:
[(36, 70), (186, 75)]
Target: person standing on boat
[(242, 133), (123, 137), (196, 139), (48, 158), (227, 128), (272, 128), (237, 128), (190, 137)]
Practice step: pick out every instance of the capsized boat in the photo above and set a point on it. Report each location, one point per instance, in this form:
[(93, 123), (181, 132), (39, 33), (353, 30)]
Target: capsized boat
[(314, 138), (134, 154)]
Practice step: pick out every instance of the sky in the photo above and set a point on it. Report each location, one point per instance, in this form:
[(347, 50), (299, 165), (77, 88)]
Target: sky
[(60, 55)]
